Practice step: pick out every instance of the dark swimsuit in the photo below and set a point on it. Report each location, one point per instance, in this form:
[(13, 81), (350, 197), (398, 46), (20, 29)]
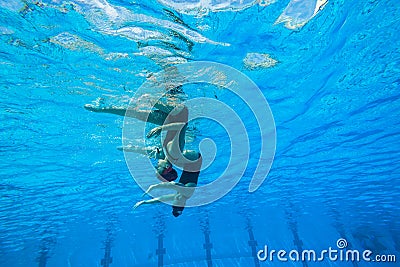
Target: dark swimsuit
[(190, 177), (186, 178)]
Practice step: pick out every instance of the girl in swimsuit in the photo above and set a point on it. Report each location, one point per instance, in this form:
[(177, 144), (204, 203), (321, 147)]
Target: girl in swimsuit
[(174, 121), (189, 160)]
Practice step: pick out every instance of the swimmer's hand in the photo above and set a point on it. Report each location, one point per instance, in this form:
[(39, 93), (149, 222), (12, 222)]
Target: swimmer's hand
[(154, 132), (139, 203)]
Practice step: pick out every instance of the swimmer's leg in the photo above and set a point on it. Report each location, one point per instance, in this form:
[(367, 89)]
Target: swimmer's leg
[(111, 110), (154, 116)]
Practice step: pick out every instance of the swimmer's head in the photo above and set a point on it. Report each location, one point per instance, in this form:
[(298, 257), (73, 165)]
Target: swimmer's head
[(165, 172)]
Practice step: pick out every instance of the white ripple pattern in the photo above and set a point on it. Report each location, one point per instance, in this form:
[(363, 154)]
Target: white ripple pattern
[(95, 10)]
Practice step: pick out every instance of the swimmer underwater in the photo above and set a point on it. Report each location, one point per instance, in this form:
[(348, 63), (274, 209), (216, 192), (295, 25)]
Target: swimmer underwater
[(173, 120)]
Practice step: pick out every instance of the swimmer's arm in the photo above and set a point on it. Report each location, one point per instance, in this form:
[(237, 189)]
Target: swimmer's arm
[(163, 198), (112, 110), (122, 111), (136, 149), (176, 126)]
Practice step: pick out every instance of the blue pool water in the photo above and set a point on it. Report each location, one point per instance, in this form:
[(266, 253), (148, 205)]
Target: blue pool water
[(333, 87)]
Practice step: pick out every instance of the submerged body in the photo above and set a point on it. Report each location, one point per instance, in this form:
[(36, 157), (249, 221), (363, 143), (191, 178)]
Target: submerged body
[(173, 120), (190, 161)]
